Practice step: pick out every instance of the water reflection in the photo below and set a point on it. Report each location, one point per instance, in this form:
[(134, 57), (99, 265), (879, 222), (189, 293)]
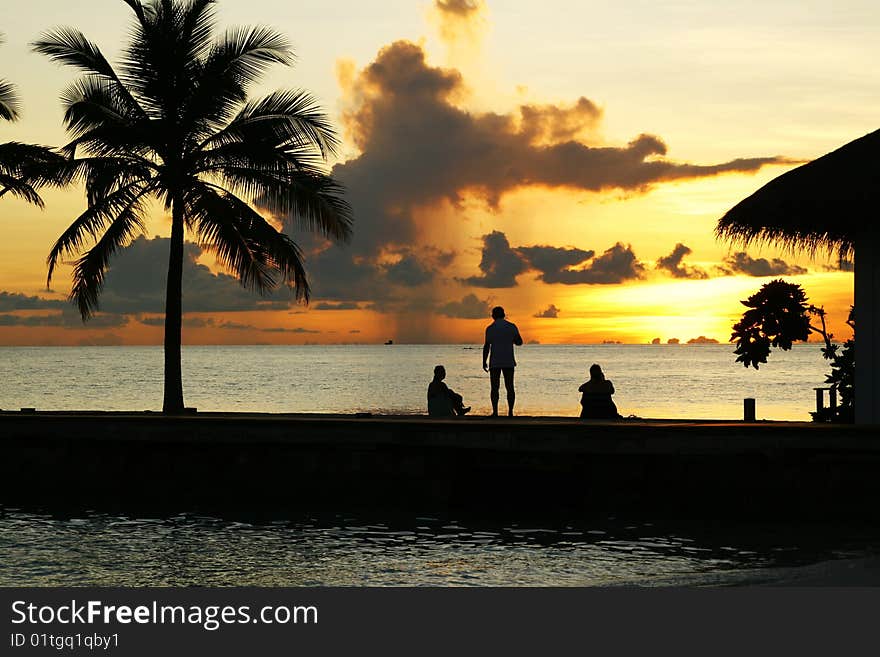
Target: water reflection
[(188, 549)]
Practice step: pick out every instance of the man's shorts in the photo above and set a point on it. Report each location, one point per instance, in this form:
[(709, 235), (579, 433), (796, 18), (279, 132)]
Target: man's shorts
[(495, 376)]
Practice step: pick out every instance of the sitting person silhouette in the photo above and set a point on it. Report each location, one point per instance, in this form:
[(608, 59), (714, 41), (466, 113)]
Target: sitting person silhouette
[(442, 401), (596, 402)]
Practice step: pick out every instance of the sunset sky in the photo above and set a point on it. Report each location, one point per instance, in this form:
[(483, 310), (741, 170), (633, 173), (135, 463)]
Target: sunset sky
[(565, 160)]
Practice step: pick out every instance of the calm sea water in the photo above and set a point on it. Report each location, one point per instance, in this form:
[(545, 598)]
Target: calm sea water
[(664, 381), (182, 550)]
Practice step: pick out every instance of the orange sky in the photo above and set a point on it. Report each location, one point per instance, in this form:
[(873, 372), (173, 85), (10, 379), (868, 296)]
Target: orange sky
[(452, 160)]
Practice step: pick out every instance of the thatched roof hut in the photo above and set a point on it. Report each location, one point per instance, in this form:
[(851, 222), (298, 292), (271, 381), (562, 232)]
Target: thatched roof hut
[(828, 204), (819, 206)]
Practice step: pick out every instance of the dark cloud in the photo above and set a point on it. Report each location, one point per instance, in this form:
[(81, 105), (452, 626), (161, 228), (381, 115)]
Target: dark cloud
[(500, 264), (554, 262), (345, 305), (188, 322), (550, 312), (354, 331), (461, 8), (470, 307), (409, 271), (237, 326), (67, 318), (841, 265), (743, 263), (136, 283), (673, 264), (16, 301), (615, 265), (283, 329), (420, 148)]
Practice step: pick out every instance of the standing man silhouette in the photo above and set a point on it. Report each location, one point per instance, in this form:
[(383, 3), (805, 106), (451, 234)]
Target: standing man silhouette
[(501, 335)]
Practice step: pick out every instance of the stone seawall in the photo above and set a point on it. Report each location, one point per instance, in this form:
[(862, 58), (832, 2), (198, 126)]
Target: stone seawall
[(318, 462)]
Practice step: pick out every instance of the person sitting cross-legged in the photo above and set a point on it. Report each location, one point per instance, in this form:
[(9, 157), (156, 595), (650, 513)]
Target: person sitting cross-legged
[(442, 401)]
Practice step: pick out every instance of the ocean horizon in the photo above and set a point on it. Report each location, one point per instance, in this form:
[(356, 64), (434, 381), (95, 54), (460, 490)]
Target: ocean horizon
[(699, 381)]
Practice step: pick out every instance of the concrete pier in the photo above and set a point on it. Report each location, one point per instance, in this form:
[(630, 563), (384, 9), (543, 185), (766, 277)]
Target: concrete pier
[(325, 461)]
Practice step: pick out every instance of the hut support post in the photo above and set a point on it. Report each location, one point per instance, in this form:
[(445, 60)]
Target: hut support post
[(867, 304)]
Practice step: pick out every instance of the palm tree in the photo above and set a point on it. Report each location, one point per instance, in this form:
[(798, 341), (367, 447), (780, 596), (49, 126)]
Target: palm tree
[(172, 121), (16, 159)]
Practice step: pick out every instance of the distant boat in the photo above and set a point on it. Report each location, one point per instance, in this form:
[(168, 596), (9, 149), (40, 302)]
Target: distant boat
[(390, 342)]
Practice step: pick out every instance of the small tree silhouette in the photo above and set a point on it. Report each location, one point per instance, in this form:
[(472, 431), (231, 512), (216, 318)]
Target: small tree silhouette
[(779, 316)]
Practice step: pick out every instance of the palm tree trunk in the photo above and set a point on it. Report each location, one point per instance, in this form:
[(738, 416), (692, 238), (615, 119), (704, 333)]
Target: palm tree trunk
[(174, 315)]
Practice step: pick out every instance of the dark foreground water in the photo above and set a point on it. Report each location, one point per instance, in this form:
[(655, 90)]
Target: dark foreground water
[(92, 548)]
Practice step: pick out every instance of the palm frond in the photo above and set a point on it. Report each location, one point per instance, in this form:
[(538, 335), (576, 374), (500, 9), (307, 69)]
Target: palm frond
[(90, 270), (9, 103), (93, 102), (70, 47), (198, 20), (315, 203), (237, 60), (290, 118), (20, 189), (244, 242), (23, 168), (94, 220)]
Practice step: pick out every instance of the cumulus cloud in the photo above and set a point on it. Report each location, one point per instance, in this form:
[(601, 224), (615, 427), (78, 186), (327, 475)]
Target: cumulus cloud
[(345, 305), (470, 307), (419, 147), (500, 264), (17, 301), (743, 263), (550, 312), (136, 283), (555, 263), (409, 271), (616, 265), (673, 264)]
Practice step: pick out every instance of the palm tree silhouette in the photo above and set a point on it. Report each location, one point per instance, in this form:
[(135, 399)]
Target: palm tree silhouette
[(173, 122), (19, 161), (8, 99)]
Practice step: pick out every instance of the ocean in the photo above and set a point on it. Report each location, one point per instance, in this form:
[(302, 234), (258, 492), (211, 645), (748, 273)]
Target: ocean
[(652, 381)]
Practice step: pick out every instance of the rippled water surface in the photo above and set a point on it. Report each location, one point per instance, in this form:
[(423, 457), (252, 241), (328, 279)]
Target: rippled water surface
[(663, 381), (99, 549)]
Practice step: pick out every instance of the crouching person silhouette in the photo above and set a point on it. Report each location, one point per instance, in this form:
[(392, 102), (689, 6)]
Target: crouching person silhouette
[(596, 402), (442, 401)]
